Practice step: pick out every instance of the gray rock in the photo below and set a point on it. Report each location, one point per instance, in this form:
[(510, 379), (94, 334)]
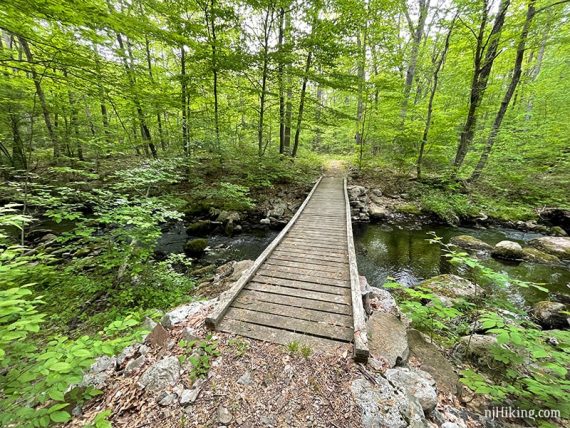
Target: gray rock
[(433, 362), (355, 192), (508, 250), (95, 380), (166, 399), (558, 246), (387, 338), (103, 364), (265, 221), (188, 335), (377, 212), (550, 315), (135, 364), (449, 425), (188, 396), (149, 323), (181, 313), (452, 286), (239, 269), (128, 353), (558, 231), (224, 415), (143, 349), (382, 405), (479, 349), (278, 208), (165, 372), (228, 216), (534, 255), (417, 383), (380, 300), (470, 243), (245, 378)]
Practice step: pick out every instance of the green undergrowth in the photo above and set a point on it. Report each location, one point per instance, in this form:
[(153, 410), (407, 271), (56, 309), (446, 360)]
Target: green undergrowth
[(526, 368)]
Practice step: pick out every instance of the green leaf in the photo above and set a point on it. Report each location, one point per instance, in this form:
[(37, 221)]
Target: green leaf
[(60, 416)]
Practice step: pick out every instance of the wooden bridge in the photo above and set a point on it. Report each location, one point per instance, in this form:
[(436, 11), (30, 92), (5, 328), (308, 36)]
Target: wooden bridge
[(304, 287)]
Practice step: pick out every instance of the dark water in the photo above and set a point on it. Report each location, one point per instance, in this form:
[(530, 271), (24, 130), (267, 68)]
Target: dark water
[(408, 257)]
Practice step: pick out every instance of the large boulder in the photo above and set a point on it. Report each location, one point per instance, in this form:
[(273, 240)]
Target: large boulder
[(387, 338), (479, 349), (195, 247), (452, 286), (160, 375), (383, 405), (182, 313), (416, 383), (508, 250), (377, 212), (278, 208), (432, 361), (470, 243), (550, 315), (558, 246), (536, 256), (356, 192), (380, 300)]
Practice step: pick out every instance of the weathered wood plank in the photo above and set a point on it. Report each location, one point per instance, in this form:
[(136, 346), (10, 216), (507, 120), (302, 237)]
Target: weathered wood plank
[(361, 351), (315, 255), (276, 335), (298, 302), (292, 324), (303, 264), (301, 277), (309, 261), (311, 286), (226, 299), (310, 271), (244, 302), (297, 292)]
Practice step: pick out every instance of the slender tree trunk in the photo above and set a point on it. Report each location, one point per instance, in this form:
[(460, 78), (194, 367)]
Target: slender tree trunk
[(40, 92), (18, 158), (438, 64), (289, 101), (184, 102), (281, 83), (417, 34), (264, 72), (302, 104), (102, 97), (211, 22), (516, 75), (480, 79), (361, 45), (151, 77)]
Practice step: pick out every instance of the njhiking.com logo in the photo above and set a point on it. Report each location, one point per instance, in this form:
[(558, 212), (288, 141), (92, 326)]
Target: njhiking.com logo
[(507, 412)]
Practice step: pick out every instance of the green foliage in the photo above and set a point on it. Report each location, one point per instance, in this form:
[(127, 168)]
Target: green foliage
[(295, 347), (534, 363), (227, 196), (240, 345), (199, 353)]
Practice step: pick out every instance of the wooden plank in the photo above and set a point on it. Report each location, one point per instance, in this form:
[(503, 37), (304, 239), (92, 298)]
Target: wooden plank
[(311, 286), (296, 292), (276, 335), (307, 243), (292, 311), (274, 273), (303, 264), (298, 302), (301, 269), (361, 351), (319, 255), (321, 237), (318, 232), (291, 324), (226, 298), (293, 258), (305, 249)]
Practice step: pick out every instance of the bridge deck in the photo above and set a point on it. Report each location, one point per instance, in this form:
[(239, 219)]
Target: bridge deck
[(301, 288)]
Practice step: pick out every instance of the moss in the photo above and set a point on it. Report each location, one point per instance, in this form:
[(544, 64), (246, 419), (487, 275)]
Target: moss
[(195, 247), (409, 208), (199, 228)]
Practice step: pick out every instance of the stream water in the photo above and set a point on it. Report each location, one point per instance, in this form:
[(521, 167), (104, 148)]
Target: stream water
[(407, 256)]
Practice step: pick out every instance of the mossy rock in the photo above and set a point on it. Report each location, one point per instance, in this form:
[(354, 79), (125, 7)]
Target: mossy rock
[(199, 228), (557, 246), (452, 286), (470, 243), (195, 247), (533, 255)]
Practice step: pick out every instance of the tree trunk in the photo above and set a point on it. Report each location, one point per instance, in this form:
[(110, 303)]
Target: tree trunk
[(184, 102), (361, 44), (289, 101), (417, 34), (480, 79), (150, 75), (302, 104), (516, 75), (281, 83), (264, 72), (40, 92), (438, 64), (18, 158)]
